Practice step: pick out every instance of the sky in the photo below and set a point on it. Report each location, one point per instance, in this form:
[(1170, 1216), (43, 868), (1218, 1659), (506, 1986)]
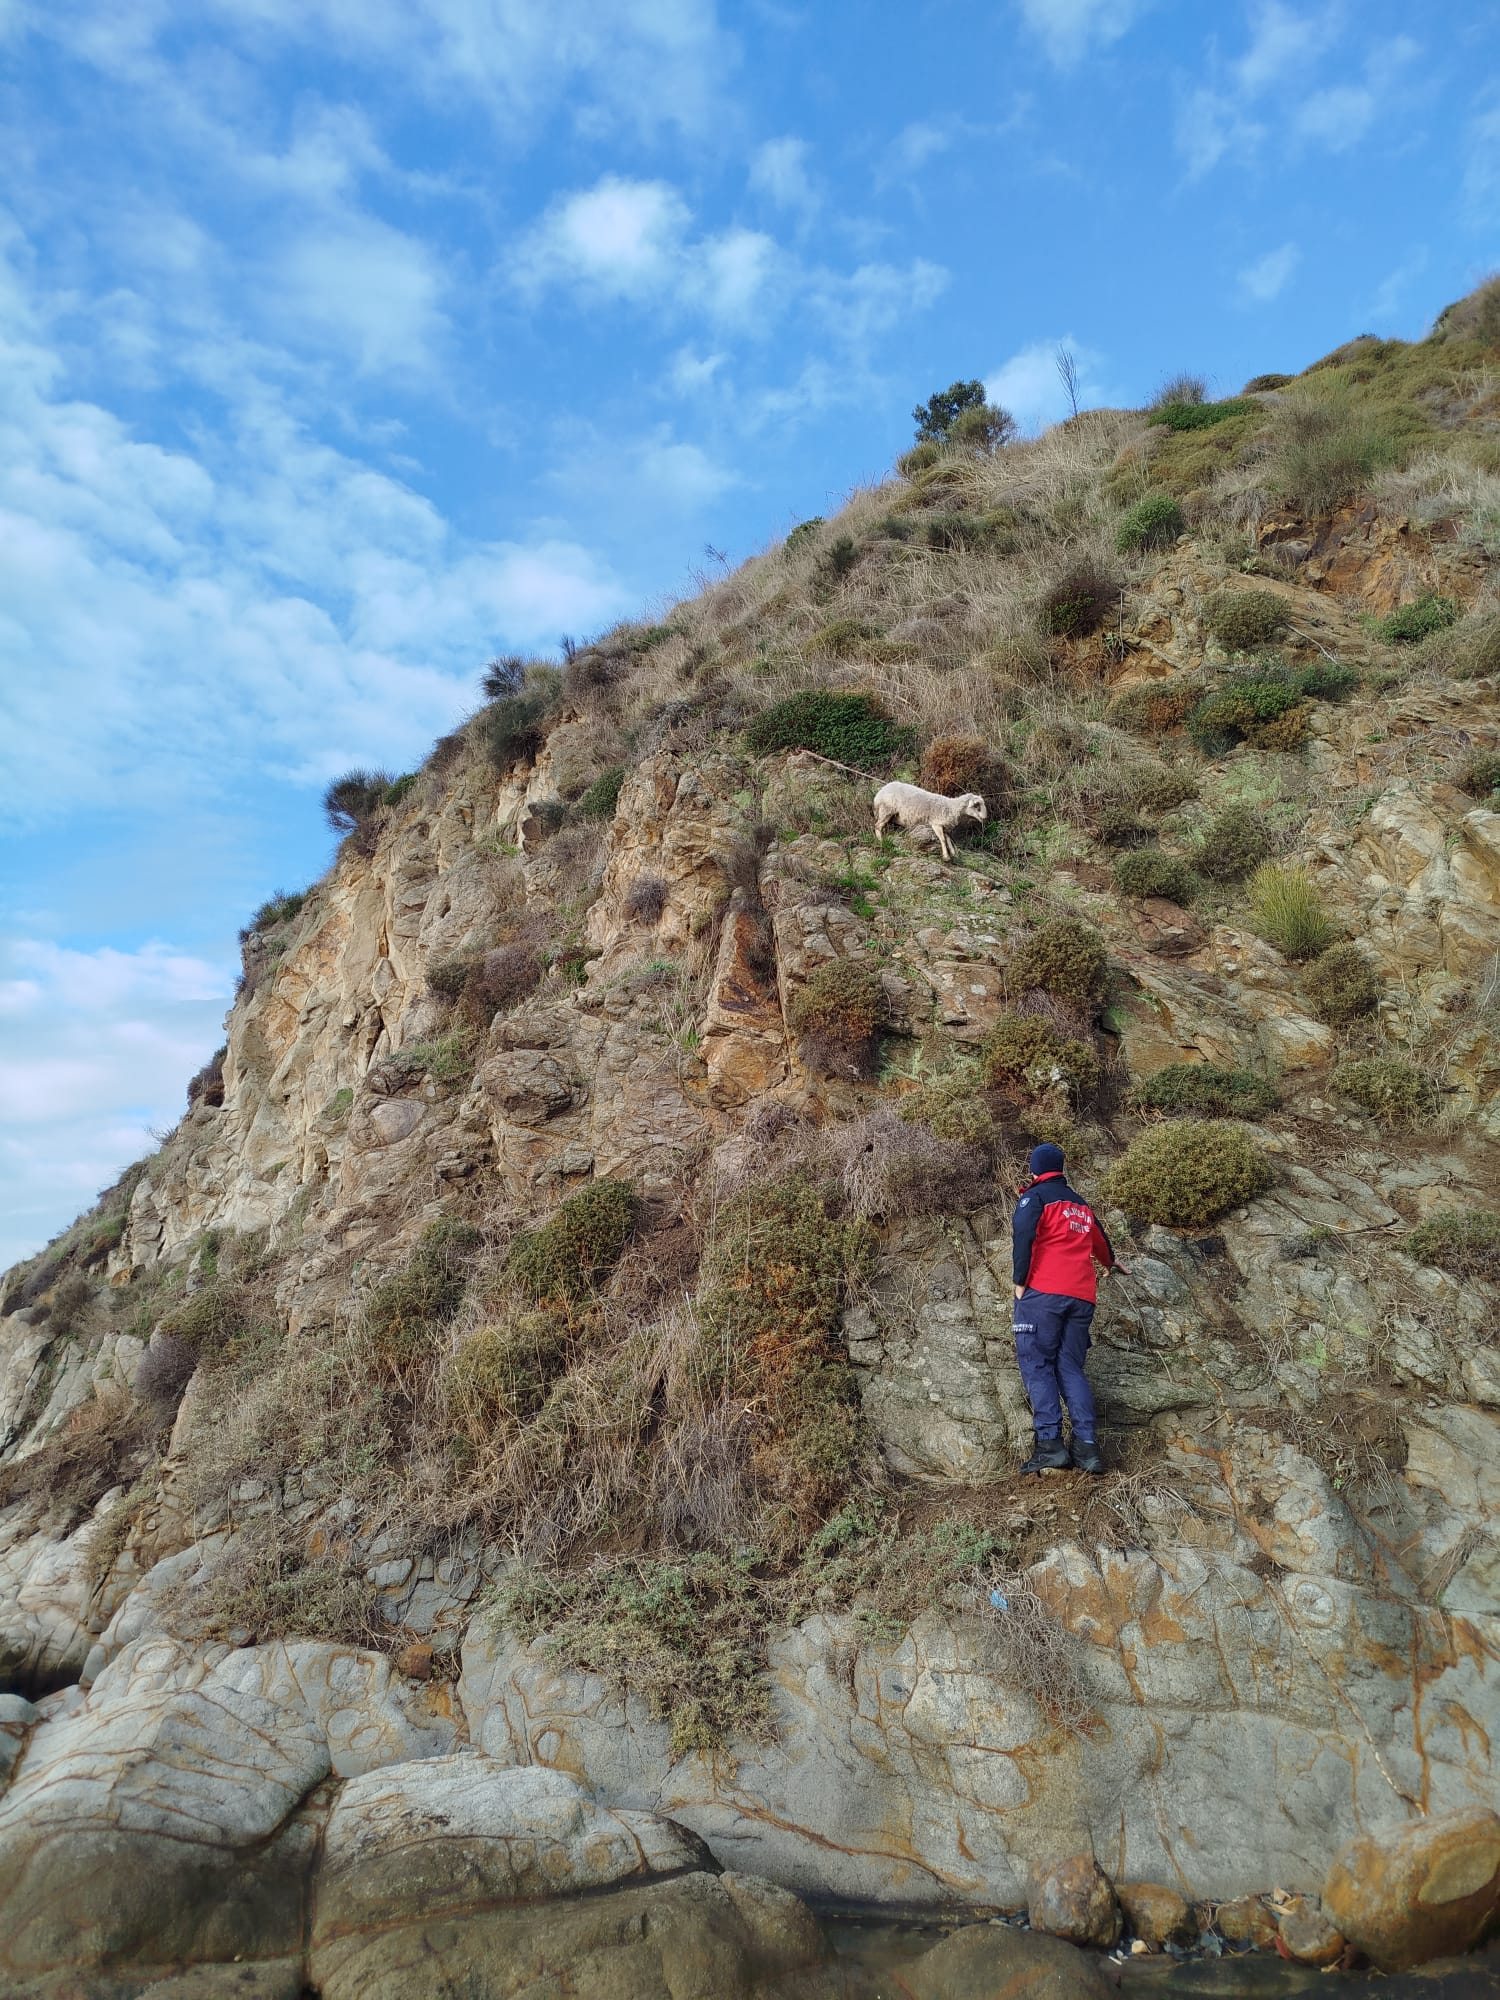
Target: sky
[(348, 343)]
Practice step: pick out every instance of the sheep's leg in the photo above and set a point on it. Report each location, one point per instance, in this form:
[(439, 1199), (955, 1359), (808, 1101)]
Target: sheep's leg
[(882, 821), (943, 841)]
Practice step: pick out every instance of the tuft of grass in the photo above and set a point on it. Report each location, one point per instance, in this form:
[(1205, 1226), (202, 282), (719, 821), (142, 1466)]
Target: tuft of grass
[(1063, 957), (1241, 620), (1342, 985), (1235, 840), (1149, 871), (953, 1108), (1477, 649), (355, 798), (1287, 910), (1394, 1092), (1466, 1242), (562, 1262), (1079, 601), (275, 911), (514, 728), (837, 1017), (1188, 1173), (1152, 523), (1327, 448), (1207, 1090), (850, 728), (1418, 620), (1031, 1055)]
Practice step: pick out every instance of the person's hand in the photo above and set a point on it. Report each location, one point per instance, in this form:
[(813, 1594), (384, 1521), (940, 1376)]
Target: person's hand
[(1020, 1291), (1120, 1270)]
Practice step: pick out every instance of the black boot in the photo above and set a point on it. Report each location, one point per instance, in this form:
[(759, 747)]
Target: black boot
[(1085, 1455), (1051, 1455)]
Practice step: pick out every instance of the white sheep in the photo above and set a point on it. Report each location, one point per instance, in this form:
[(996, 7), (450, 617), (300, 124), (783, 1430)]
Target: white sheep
[(909, 806)]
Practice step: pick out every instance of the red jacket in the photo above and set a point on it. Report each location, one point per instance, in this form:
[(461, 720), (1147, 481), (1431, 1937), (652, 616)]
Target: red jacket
[(1055, 1240)]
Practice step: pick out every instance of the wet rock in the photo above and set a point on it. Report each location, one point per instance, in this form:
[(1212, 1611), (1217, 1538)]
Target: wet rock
[(1073, 1899), (986, 1961), (1155, 1914), (1419, 1891)]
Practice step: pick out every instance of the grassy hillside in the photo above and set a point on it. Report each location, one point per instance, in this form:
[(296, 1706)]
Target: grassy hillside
[(1163, 644)]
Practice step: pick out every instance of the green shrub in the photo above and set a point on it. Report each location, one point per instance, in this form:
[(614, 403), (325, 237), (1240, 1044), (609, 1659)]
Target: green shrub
[(1207, 1090), (397, 790), (1161, 788), (1258, 384), (1392, 1091), (1265, 708), (1241, 620), (1480, 776), (1188, 1173), (353, 799), (1150, 708), (851, 728), (563, 1261), (841, 637), (1153, 523), (601, 798), (1342, 985), (1183, 416), (449, 976), (1063, 957), (1080, 601), (803, 533), (1151, 872), (837, 1016), (1425, 615), (952, 1107), (1325, 680), (994, 533), (405, 1314), (1235, 840), (1466, 1242), (983, 428), (503, 1372), (1027, 1053), (1287, 911)]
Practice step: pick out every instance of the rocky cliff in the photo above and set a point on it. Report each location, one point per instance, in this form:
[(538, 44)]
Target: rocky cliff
[(571, 1322)]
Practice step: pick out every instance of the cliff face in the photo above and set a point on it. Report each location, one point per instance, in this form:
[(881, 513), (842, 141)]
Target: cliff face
[(235, 1456)]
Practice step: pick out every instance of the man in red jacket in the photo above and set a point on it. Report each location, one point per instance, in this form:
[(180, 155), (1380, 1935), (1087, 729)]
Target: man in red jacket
[(1056, 1241)]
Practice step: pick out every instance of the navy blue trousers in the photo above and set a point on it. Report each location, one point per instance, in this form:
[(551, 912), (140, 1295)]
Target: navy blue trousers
[(1052, 1339)]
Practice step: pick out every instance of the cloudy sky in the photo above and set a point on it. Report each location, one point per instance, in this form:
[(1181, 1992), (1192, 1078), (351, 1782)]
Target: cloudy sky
[(349, 342)]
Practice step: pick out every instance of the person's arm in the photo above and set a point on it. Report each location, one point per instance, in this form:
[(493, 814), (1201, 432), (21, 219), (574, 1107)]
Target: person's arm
[(1023, 1236), (1103, 1249)]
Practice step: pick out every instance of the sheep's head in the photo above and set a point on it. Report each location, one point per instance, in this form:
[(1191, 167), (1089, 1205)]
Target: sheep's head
[(972, 806)]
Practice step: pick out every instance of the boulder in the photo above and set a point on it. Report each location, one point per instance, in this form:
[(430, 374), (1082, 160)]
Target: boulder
[(1419, 1891), (988, 1961), (1073, 1899), (1156, 1914), (1307, 1934), (1246, 1921)]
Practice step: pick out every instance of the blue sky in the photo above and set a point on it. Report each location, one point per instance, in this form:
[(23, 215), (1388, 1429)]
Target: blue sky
[(349, 342)]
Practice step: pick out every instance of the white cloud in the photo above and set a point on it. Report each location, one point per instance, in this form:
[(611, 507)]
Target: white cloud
[(779, 171), (1266, 278), (98, 1048), (1070, 29), (875, 296), (1336, 118), (691, 374), (735, 270), (1282, 41), (1209, 125), (1029, 386), (364, 287), (619, 238)]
